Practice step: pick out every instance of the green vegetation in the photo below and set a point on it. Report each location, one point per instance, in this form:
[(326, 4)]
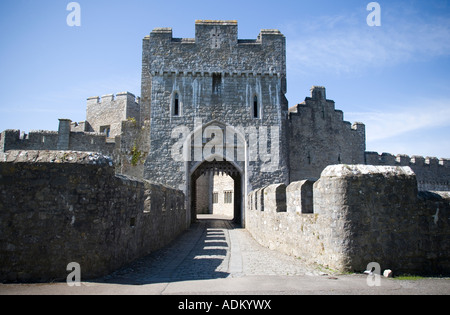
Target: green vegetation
[(132, 120), (409, 277), (135, 155)]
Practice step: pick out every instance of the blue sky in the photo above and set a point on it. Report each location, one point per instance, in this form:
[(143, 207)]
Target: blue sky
[(395, 78)]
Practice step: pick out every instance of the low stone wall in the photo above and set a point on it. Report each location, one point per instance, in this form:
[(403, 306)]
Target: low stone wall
[(361, 214), (62, 207)]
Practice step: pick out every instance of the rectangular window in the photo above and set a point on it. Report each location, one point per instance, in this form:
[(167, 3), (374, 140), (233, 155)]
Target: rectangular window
[(106, 130), (176, 110), (255, 107), (176, 104), (215, 197), (228, 197), (217, 83)]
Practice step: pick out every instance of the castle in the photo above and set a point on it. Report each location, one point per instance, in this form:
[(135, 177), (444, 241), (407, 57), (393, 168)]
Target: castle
[(213, 122)]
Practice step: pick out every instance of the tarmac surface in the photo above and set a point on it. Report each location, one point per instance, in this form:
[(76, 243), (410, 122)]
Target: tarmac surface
[(214, 257)]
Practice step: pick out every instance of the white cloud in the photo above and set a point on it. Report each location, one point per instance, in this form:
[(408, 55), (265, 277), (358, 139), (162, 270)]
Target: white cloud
[(343, 45), (426, 114)]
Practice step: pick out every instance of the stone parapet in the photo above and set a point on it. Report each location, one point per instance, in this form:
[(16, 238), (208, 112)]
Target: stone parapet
[(361, 214), (63, 207), (432, 173)]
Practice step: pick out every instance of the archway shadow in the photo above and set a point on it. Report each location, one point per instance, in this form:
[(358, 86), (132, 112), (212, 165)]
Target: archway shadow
[(182, 260)]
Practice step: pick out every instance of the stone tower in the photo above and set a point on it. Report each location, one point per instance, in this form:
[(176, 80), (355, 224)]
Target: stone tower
[(216, 104)]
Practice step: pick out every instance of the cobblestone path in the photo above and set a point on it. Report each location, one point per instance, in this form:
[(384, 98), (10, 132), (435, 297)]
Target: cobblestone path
[(210, 249)]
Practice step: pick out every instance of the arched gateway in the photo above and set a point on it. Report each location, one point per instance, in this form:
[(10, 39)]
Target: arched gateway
[(213, 150), (214, 193), (215, 105)]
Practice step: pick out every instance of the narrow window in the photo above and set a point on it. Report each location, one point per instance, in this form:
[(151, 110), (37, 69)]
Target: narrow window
[(176, 105), (255, 107), (215, 197), (217, 83)]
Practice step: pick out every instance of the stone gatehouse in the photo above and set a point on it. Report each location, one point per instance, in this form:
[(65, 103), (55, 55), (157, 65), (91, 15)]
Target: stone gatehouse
[(215, 105), (213, 122)]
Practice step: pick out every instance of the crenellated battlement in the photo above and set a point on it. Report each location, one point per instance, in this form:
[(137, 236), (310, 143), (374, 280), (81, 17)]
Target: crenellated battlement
[(374, 158), (63, 139), (321, 107), (218, 43), (213, 34), (320, 136), (107, 98), (432, 173), (354, 214), (105, 114), (13, 139)]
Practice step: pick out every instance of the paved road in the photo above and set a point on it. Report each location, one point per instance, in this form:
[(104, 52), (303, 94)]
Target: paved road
[(211, 249), (214, 257)]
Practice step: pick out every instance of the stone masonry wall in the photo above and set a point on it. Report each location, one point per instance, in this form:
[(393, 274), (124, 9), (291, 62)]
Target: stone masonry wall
[(223, 184), (361, 214), (216, 77), (62, 207), (52, 140), (110, 110), (432, 173), (319, 137), (132, 148)]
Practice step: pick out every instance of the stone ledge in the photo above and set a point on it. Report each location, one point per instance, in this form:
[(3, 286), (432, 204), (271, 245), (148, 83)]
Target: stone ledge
[(344, 170), (73, 157), (216, 22)]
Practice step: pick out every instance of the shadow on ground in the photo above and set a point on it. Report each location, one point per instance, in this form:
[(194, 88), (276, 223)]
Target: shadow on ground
[(200, 253)]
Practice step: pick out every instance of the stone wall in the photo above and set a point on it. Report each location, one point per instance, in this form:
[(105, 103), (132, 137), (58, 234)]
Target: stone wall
[(105, 117), (12, 139), (132, 148), (64, 139), (222, 185), (319, 137), (110, 110), (62, 207), (361, 214), (432, 173), (216, 78), (203, 198)]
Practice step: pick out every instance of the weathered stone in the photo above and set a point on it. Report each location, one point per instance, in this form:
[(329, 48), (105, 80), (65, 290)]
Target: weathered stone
[(222, 101), (362, 214), (275, 198), (216, 82), (77, 210), (299, 197)]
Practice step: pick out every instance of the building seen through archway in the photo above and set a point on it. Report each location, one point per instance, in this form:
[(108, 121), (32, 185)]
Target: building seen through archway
[(215, 195), (217, 189)]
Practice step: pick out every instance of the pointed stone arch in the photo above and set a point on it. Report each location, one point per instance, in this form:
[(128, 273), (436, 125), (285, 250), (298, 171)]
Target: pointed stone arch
[(232, 160), (216, 168)]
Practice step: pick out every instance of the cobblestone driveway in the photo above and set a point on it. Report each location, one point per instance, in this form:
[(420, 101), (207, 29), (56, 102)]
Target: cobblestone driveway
[(229, 261), (210, 249)]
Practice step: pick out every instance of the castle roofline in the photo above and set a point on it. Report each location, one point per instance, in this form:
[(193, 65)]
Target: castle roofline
[(216, 22)]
